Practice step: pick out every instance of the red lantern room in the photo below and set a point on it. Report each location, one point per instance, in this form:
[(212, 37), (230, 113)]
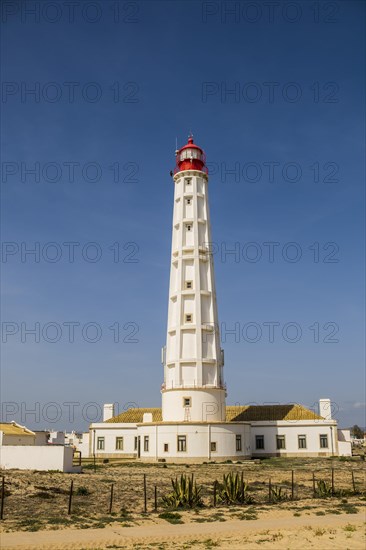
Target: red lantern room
[(190, 157)]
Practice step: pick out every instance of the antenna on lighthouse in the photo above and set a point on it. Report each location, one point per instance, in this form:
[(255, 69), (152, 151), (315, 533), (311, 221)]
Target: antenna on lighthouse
[(176, 146)]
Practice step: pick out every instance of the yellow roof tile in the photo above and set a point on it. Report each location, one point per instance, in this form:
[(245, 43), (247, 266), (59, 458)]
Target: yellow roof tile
[(257, 413), (248, 413), (15, 429), (135, 415)]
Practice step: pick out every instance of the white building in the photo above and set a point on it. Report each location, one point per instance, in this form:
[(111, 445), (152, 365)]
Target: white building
[(12, 433), (26, 450), (194, 423)]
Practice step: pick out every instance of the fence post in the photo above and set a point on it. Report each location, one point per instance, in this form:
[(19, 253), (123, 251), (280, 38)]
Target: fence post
[(155, 498), (215, 491), (2, 498), (111, 500), (314, 485), (145, 495), (353, 481), (269, 491), (292, 485), (333, 482), (70, 497)]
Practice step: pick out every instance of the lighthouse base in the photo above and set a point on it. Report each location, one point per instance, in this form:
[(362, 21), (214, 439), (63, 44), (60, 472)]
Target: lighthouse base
[(194, 405)]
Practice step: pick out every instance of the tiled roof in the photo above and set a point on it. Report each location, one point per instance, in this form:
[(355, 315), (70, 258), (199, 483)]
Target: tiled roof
[(15, 429), (249, 413), (135, 415), (254, 413)]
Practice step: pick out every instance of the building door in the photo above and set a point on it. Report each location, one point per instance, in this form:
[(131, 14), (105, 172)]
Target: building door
[(138, 446)]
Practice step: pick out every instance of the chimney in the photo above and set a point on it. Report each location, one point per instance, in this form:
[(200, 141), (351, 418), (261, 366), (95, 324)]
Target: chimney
[(108, 411), (325, 409), (147, 417)]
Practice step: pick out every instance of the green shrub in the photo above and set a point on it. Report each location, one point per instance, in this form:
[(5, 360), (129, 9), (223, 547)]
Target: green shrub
[(324, 489), (42, 494), (186, 494), (233, 490), (278, 494), (82, 491), (171, 517)]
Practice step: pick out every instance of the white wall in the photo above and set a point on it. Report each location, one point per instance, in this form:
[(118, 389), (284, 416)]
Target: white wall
[(291, 430), (57, 437), (198, 438), (42, 457), (110, 432), (344, 443), (207, 405), (83, 445)]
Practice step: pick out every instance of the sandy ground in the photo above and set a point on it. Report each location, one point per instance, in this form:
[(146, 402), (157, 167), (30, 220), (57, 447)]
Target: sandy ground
[(284, 531), (36, 508)]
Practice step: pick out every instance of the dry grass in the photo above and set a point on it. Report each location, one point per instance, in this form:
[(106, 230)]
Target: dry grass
[(39, 500)]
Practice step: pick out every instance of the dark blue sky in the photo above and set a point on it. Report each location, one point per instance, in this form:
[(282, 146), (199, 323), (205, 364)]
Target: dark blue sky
[(273, 94)]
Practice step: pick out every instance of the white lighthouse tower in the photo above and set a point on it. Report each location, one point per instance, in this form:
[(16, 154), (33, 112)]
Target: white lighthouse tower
[(194, 424), (193, 388)]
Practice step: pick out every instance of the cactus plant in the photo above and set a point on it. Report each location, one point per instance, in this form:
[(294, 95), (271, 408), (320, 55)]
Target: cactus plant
[(186, 494), (233, 490)]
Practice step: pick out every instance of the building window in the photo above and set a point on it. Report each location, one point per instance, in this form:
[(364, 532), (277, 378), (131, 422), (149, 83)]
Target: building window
[(280, 442), (100, 443), (189, 318), (182, 443), (119, 443), (189, 284), (302, 441), (259, 442), (189, 201), (323, 441), (166, 447), (238, 442), (189, 227), (146, 443), (213, 446), (135, 444), (187, 402), (188, 181)]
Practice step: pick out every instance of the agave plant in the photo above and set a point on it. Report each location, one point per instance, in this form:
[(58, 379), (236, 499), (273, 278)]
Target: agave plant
[(324, 489), (186, 494), (278, 494), (233, 490)]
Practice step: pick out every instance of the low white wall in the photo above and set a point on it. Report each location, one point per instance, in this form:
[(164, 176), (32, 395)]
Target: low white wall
[(345, 448), (42, 457)]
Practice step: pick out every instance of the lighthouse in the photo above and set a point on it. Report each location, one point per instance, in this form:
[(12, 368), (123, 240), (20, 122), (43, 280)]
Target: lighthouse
[(194, 424), (193, 389)]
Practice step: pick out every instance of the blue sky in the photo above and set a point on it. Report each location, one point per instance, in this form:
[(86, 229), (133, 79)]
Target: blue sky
[(276, 97)]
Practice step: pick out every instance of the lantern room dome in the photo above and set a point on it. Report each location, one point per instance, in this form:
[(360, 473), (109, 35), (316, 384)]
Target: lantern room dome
[(190, 157)]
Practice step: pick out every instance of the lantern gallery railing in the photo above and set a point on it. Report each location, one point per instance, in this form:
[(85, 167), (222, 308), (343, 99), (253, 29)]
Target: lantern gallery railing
[(174, 386)]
